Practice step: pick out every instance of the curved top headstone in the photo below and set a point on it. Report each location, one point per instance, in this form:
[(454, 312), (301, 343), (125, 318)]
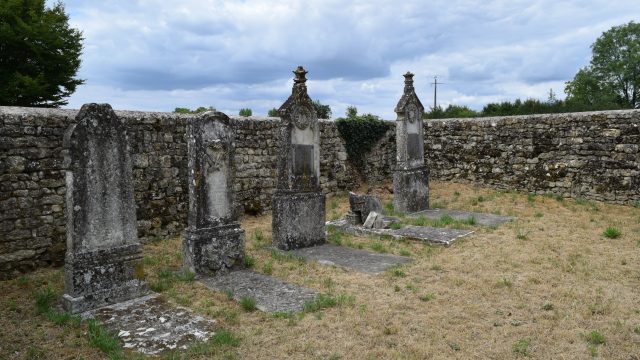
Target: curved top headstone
[(299, 162), (101, 209), (211, 171)]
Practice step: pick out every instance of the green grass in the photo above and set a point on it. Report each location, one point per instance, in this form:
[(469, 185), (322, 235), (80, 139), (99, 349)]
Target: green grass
[(531, 197), (427, 297), (521, 346), (444, 221), (596, 338), (612, 232), (277, 255), (267, 268), (397, 271), (44, 299), (396, 226), (547, 307), (215, 346), (378, 247), (335, 236), (405, 252), (248, 261), (326, 301), (454, 346), (101, 338), (248, 304), (334, 204)]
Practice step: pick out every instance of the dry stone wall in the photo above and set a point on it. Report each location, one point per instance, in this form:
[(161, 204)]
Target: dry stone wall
[(591, 155)]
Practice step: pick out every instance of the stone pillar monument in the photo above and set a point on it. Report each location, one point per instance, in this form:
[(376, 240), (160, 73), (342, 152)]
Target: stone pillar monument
[(298, 202), (213, 241), (103, 260), (411, 176)]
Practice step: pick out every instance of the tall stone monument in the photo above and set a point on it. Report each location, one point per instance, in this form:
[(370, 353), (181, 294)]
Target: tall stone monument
[(103, 259), (213, 242), (298, 203), (411, 176)]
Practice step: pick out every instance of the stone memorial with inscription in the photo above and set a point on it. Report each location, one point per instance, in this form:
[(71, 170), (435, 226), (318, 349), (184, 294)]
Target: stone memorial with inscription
[(298, 202), (411, 176), (103, 262), (213, 242)]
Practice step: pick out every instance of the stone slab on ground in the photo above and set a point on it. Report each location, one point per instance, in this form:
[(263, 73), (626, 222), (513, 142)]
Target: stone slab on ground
[(444, 236), (481, 218), (151, 326), (359, 260), (433, 235), (271, 294)]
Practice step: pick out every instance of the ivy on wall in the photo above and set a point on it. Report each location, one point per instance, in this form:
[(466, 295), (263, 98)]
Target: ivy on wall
[(360, 134)]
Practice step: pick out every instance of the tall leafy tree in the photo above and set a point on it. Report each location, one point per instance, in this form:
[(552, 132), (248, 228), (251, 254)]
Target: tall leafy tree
[(39, 54), (613, 75)]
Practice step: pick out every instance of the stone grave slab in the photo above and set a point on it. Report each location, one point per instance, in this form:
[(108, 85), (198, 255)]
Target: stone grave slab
[(152, 326), (271, 294), (444, 236), (346, 257), (433, 235), (481, 218)]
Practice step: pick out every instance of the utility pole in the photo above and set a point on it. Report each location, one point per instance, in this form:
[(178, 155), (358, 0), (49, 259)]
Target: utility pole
[(435, 90)]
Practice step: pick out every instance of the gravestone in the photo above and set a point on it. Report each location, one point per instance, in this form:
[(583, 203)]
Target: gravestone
[(360, 206), (213, 242), (411, 176), (298, 202), (103, 259)]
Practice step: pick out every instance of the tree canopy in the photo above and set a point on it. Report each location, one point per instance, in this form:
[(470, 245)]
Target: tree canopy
[(613, 75), (39, 54)]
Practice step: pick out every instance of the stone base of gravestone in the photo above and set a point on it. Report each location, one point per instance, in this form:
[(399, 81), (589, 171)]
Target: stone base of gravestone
[(411, 190), (298, 220), (104, 276), (213, 251)]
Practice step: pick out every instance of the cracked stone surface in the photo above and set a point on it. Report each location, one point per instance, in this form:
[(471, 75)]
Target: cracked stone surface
[(271, 294), (433, 235), (481, 218), (346, 257), (152, 326)]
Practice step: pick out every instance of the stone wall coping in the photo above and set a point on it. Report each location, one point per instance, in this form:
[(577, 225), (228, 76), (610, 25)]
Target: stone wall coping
[(536, 117)]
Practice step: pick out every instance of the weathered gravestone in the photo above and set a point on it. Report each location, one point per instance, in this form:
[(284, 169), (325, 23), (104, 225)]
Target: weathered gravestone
[(360, 206), (411, 176), (213, 242), (103, 259), (298, 203)]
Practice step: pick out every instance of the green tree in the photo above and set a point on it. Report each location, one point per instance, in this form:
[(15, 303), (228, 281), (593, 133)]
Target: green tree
[(613, 75), (323, 111), (39, 54), (201, 109), (351, 112), (245, 112), (452, 111), (273, 112)]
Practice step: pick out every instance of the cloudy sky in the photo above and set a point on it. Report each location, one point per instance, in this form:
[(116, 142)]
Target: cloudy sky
[(158, 55)]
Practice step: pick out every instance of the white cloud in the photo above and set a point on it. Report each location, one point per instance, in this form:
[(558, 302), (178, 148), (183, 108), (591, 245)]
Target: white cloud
[(157, 55)]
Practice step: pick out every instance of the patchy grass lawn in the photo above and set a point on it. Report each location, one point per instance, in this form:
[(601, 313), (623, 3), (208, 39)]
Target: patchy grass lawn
[(553, 284)]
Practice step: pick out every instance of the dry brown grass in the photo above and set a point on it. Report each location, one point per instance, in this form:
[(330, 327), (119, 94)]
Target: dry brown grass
[(550, 277)]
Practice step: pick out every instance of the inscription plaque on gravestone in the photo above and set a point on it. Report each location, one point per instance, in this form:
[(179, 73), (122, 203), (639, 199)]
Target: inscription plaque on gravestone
[(413, 147), (216, 178), (302, 159)]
